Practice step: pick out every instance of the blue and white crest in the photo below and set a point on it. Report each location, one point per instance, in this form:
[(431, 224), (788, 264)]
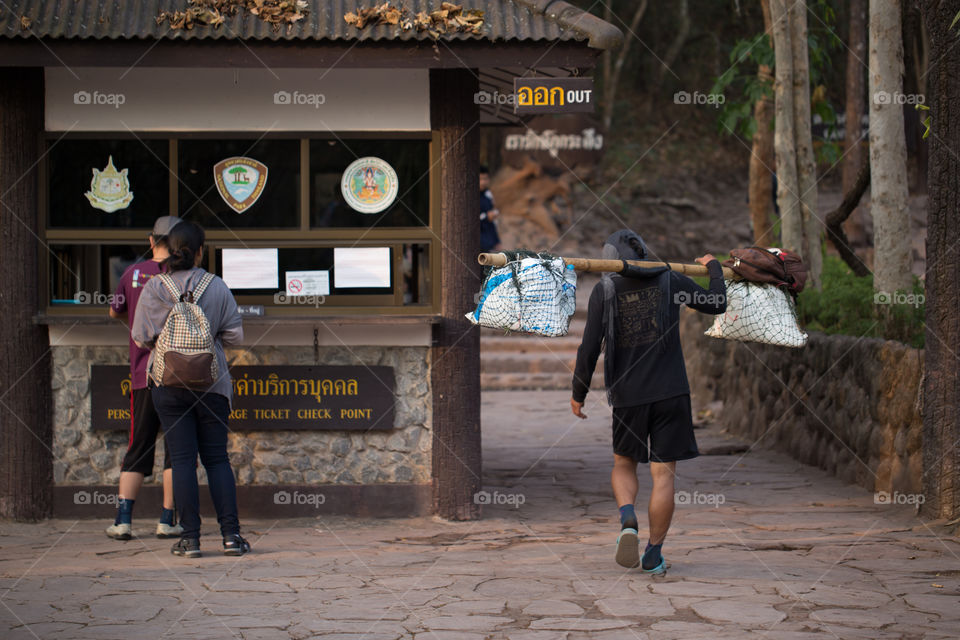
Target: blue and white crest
[(240, 181)]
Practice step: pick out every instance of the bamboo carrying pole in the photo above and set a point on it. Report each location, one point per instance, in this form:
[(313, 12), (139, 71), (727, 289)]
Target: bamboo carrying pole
[(593, 264)]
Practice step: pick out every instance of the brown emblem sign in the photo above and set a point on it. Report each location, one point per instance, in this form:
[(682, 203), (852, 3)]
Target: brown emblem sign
[(240, 181), (275, 397)]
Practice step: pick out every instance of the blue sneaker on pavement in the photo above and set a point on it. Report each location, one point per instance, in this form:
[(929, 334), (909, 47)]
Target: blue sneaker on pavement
[(658, 570), (628, 549), (653, 561)]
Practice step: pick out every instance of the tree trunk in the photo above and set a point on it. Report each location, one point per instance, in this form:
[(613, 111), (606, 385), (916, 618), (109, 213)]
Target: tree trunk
[(941, 385), (612, 71), (455, 357), (888, 151), (791, 223), (664, 64), (607, 63), (679, 39), (761, 158), (812, 244), (26, 426), (852, 139)]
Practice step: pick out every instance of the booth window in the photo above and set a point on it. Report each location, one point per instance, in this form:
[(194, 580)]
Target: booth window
[(70, 165), (409, 158), (278, 206), (299, 249)]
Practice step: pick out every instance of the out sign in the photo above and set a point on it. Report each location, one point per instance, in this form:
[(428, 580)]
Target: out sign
[(553, 95)]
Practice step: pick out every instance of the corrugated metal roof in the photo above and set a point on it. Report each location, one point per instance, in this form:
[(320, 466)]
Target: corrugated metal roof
[(504, 20)]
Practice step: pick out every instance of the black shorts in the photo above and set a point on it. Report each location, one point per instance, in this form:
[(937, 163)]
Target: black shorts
[(659, 431), (144, 429)]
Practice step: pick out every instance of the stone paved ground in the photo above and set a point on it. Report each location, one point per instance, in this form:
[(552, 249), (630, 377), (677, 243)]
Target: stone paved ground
[(790, 553)]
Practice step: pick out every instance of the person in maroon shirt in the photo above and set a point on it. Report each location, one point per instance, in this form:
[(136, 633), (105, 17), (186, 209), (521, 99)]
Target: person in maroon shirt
[(144, 423)]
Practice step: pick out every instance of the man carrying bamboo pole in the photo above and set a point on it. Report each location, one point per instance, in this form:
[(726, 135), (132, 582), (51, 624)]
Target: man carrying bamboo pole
[(633, 316)]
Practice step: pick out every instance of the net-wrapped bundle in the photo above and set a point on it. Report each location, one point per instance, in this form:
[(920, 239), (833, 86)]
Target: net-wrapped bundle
[(535, 294), (758, 313)]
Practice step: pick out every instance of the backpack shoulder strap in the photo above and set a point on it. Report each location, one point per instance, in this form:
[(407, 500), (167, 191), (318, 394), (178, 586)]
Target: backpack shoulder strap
[(205, 281), (171, 286)]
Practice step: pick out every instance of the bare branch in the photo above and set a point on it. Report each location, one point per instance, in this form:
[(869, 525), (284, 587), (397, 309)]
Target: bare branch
[(836, 217)]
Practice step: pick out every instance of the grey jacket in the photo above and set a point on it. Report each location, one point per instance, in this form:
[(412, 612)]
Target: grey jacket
[(218, 305)]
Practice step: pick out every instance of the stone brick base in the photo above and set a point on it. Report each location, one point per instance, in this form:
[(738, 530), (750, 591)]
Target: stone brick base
[(845, 404), (259, 501)]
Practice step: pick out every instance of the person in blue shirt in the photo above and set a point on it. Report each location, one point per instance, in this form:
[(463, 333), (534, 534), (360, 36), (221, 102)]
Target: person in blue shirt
[(489, 236)]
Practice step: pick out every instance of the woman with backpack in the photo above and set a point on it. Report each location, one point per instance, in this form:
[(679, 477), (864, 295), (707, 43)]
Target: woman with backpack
[(184, 317)]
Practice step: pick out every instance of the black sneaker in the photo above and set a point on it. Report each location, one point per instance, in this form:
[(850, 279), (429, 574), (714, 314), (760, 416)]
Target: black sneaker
[(186, 547), (235, 545)]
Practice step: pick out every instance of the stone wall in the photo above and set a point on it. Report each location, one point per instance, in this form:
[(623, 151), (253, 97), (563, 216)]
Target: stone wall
[(401, 455), (847, 405)]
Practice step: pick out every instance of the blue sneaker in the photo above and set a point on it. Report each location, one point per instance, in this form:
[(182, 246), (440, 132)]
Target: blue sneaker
[(658, 570), (628, 549)]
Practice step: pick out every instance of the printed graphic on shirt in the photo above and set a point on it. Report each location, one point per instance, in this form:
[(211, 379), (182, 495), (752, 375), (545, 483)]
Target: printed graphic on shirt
[(637, 317), (140, 279)]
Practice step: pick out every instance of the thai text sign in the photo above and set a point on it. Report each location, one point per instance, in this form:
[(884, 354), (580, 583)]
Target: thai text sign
[(553, 95), (557, 142), (322, 397)]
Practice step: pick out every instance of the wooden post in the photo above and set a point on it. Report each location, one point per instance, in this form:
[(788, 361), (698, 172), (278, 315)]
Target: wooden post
[(455, 356), (941, 382), (26, 426)]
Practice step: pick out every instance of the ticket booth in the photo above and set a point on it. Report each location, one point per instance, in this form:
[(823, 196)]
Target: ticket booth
[(334, 170)]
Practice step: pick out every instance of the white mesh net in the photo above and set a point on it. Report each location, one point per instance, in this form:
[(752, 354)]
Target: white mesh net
[(758, 313), (532, 294)]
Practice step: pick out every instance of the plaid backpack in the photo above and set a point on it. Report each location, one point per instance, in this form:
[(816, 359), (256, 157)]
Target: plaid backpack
[(184, 355)]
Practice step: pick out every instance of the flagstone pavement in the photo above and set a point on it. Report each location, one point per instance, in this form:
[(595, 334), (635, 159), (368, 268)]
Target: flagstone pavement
[(762, 547)]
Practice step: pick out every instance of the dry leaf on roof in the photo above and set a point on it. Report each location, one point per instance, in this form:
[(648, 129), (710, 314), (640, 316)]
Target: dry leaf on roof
[(448, 18), (214, 12)]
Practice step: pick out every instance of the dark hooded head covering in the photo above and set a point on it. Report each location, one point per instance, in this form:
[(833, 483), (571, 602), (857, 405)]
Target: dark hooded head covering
[(628, 245), (625, 245)]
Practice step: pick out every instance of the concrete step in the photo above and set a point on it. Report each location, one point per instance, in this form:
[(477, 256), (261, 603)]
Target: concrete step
[(523, 381), (536, 344), (514, 361), (536, 362), (575, 332)]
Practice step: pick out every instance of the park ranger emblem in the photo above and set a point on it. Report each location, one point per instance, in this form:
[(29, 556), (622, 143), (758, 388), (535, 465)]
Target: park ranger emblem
[(240, 181), (109, 189), (369, 185)]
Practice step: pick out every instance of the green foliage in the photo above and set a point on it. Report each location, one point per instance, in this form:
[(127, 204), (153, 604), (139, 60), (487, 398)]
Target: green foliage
[(928, 121), (742, 88), (848, 305), (828, 150), (741, 80)]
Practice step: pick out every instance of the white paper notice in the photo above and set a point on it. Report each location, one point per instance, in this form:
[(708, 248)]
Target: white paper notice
[(366, 267), (308, 283), (251, 268)]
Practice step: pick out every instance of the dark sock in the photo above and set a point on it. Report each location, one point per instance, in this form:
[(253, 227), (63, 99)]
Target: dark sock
[(166, 516), (628, 517), (651, 556), (124, 511)]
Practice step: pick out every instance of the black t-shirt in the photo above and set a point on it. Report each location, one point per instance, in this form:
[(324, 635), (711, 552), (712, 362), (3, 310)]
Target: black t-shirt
[(647, 358)]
